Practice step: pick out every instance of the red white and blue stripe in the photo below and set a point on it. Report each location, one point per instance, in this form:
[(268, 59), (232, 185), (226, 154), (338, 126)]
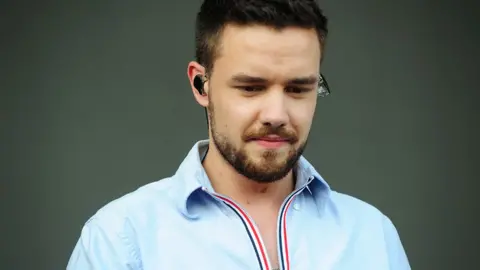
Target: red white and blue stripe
[(254, 233), (284, 259)]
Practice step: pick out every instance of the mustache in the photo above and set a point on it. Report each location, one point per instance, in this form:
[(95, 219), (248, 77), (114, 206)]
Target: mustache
[(264, 131)]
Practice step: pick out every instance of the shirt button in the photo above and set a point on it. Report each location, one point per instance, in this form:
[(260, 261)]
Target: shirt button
[(296, 206)]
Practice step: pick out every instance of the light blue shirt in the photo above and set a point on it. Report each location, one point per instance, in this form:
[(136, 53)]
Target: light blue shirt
[(180, 223)]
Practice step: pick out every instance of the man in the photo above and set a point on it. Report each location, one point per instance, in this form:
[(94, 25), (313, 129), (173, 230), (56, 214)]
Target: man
[(246, 198)]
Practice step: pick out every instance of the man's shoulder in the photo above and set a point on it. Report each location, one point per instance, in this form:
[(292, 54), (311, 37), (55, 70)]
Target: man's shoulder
[(345, 200), (356, 210), (110, 237), (137, 204), (366, 221)]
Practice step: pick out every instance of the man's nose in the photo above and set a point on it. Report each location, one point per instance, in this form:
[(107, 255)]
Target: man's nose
[(274, 110)]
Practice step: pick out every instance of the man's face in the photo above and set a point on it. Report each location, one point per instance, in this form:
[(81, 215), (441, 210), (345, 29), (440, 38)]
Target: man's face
[(262, 98)]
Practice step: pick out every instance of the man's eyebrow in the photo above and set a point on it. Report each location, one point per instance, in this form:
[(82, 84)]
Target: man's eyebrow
[(304, 80), (244, 78)]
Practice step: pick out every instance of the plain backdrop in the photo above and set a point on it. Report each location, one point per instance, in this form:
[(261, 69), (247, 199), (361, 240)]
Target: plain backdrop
[(95, 102)]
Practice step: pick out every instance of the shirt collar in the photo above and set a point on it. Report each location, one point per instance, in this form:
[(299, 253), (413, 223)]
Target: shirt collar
[(192, 177)]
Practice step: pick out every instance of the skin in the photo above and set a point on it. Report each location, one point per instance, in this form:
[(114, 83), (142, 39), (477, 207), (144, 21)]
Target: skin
[(256, 174)]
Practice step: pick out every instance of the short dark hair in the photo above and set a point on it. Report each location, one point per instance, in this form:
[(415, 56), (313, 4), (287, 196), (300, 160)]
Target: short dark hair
[(214, 15)]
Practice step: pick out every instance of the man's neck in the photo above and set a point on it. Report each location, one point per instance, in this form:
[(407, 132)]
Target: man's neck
[(227, 181)]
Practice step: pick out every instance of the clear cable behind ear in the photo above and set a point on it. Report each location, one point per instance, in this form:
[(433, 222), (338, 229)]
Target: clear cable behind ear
[(323, 88)]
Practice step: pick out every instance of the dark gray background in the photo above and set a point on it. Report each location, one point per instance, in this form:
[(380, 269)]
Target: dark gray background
[(95, 102)]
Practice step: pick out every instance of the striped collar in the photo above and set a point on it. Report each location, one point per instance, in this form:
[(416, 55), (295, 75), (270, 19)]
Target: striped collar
[(192, 177)]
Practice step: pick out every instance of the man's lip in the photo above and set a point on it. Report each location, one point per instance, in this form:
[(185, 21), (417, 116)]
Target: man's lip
[(271, 139)]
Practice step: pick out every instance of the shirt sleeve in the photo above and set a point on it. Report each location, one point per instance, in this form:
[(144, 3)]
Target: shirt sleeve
[(396, 253), (104, 246)]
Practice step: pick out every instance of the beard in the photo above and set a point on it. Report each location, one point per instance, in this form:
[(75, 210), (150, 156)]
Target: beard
[(272, 166)]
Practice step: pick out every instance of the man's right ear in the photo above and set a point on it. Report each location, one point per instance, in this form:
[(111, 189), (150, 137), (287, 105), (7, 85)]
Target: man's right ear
[(195, 73)]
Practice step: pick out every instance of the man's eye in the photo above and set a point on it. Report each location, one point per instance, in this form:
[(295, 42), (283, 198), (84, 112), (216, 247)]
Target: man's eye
[(251, 88), (297, 90)]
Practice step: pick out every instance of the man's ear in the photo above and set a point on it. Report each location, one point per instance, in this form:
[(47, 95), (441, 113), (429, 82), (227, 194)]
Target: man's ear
[(195, 69)]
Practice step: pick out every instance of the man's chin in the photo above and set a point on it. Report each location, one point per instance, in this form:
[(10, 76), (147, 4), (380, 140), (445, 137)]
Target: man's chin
[(268, 164), (268, 174)]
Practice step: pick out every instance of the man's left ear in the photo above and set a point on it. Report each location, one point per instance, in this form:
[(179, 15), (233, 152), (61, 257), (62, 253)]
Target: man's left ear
[(195, 73)]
